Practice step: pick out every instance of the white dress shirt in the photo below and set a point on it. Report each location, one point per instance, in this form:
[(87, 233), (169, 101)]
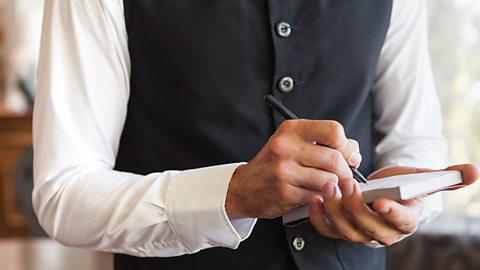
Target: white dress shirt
[(80, 109)]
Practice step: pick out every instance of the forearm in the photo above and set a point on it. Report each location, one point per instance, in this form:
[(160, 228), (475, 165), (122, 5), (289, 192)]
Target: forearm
[(80, 109), (153, 215)]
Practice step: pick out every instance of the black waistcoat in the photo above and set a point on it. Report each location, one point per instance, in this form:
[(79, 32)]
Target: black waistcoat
[(200, 70)]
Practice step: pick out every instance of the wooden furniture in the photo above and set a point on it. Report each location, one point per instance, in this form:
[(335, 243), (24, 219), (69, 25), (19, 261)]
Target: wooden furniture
[(15, 137)]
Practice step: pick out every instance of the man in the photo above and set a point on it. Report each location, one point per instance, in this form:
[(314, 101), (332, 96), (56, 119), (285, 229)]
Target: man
[(147, 110)]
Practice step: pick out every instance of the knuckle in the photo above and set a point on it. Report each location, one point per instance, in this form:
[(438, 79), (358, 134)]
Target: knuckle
[(284, 195), (350, 236), (336, 159), (407, 229), (349, 211), (369, 231), (335, 126), (286, 126), (324, 178), (354, 143), (365, 241), (332, 214), (282, 172), (332, 178), (336, 129), (338, 140), (356, 237), (388, 241), (279, 146)]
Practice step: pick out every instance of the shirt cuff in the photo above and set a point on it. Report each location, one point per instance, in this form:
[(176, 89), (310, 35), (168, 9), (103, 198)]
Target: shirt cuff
[(195, 209)]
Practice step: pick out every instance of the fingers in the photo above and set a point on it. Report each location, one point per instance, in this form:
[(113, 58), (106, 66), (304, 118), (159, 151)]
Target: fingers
[(345, 215), (367, 221), (403, 216), (324, 158), (354, 144), (470, 172), (330, 134), (356, 157), (342, 222), (311, 178), (319, 220), (317, 156), (290, 169), (329, 218)]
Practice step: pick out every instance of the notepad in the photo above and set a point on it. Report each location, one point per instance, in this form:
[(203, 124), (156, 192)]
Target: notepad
[(399, 187)]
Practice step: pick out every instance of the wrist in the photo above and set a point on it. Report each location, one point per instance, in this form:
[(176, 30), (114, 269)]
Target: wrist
[(233, 202)]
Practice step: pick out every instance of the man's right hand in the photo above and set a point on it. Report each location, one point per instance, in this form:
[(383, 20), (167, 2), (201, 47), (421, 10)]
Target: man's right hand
[(291, 168)]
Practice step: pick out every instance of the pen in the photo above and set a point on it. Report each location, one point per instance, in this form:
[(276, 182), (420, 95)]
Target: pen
[(278, 106)]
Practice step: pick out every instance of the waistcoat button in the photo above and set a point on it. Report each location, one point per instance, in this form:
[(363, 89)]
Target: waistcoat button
[(285, 84), (283, 29), (298, 243)]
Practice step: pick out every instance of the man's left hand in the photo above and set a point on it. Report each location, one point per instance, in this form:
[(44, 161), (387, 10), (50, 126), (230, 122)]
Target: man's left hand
[(342, 213)]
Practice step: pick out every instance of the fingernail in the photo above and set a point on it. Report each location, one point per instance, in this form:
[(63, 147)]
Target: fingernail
[(347, 189), (328, 191), (383, 211), (355, 158)]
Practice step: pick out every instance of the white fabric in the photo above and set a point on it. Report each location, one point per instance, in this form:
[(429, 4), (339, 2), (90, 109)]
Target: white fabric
[(83, 89)]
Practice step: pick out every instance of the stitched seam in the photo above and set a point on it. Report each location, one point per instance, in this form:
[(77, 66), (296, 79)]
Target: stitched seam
[(338, 254)]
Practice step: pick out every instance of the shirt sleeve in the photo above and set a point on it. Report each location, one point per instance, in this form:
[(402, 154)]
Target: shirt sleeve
[(80, 109), (407, 115)]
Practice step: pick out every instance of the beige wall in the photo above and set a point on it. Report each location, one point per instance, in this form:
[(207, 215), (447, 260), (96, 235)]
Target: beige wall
[(21, 25), (454, 37)]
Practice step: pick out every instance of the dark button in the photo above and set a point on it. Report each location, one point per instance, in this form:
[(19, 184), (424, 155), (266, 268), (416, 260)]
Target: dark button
[(285, 84), (283, 29), (298, 243)]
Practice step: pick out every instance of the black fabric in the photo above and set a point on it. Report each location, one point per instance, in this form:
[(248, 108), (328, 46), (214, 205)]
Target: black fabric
[(325, 253), (200, 70), (194, 101), (332, 55)]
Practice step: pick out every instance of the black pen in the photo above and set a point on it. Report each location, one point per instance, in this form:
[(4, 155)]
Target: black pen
[(278, 106)]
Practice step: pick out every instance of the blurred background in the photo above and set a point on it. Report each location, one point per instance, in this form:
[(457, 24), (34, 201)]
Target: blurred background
[(452, 241), (23, 244)]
